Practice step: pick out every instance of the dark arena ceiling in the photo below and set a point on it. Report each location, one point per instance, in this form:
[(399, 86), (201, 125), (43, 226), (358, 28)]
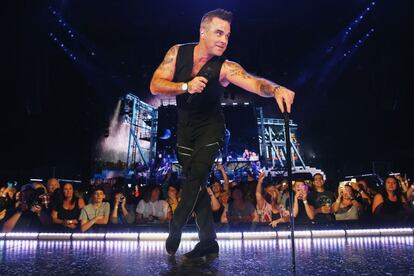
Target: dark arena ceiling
[(352, 85)]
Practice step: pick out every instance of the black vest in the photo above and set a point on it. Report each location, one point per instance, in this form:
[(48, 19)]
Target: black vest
[(207, 102)]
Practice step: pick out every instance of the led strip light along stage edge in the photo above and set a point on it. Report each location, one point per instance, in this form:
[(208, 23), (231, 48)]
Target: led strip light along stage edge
[(162, 236)]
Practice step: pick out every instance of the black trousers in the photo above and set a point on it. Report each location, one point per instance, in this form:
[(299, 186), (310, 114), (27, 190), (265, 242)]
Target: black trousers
[(199, 139)]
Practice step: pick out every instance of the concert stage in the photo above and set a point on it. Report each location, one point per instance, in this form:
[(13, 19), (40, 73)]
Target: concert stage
[(347, 252)]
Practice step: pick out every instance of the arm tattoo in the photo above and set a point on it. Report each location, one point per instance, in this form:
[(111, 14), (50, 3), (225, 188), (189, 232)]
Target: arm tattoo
[(263, 87), (267, 89), (169, 58), (236, 70)]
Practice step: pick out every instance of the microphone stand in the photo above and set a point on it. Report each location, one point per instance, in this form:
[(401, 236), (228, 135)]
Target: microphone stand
[(291, 195)]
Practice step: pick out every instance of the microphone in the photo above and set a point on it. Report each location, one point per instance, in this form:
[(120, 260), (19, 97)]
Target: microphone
[(206, 72)]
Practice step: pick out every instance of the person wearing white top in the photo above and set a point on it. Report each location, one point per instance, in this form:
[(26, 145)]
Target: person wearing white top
[(151, 208)]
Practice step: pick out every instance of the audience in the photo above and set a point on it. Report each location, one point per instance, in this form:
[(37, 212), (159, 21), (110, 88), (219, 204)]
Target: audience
[(263, 207), (172, 199), (30, 215), (215, 204), (240, 211), (152, 209), (95, 213), (122, 210), (34, 207), (363, 195), (346, 207), (52, 185), (321, 200), (217, 188), (225, 199), (390, 205), (67, 208), (303, 212)]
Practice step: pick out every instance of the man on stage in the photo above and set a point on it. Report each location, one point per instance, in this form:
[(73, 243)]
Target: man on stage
[(197, 74)]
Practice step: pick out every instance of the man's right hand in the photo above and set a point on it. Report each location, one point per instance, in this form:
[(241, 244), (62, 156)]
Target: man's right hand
[(197, 85)]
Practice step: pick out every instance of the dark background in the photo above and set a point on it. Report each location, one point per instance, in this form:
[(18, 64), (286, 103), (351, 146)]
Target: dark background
[(353, 114)]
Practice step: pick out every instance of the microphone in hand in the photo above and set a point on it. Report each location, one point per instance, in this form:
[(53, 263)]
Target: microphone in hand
[(196, 86)]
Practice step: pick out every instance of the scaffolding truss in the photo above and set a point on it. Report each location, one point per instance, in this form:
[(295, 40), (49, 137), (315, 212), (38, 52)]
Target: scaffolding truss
[(142, 119), (273, 144)]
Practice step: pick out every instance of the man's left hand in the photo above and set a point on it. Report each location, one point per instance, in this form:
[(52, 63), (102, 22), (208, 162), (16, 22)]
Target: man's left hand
[(282, 94)]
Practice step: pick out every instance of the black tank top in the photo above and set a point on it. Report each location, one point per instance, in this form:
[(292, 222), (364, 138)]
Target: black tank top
[(392, 208), (207, 102), (68, 214)]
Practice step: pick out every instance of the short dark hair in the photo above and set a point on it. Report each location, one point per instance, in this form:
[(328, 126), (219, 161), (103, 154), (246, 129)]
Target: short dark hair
[(219, 13), (98, 188), (315, 175)]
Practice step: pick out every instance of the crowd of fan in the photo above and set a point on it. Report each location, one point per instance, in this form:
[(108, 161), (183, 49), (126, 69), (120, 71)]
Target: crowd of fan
[(61, 207)]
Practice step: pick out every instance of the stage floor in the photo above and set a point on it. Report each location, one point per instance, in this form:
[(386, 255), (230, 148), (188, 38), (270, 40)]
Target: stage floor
[(321, 256)]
